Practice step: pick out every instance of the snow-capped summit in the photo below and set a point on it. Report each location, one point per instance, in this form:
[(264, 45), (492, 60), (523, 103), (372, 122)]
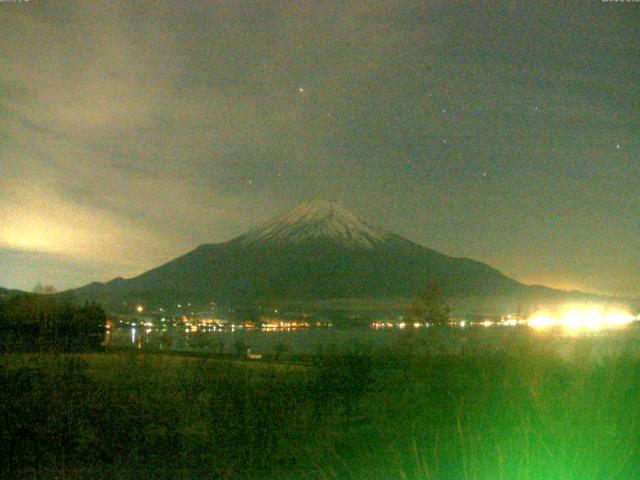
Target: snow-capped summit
[(318, 220), (317, 251)]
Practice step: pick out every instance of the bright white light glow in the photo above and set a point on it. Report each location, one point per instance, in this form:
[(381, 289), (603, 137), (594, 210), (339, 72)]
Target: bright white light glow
[(581, 317)]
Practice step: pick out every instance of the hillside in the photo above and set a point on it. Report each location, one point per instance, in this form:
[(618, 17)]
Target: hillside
[(318, 251)]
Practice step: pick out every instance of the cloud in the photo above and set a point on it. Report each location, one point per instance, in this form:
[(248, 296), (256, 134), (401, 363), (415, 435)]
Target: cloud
[(35, 218), (137, 130)]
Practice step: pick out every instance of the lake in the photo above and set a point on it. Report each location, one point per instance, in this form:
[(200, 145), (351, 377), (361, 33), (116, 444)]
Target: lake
[(592, 344)]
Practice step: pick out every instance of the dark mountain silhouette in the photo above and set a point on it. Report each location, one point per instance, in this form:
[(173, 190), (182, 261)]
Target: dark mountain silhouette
[(317, 251)]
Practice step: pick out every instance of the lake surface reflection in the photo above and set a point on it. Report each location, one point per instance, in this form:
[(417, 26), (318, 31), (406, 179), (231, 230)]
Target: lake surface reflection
[(340, 340)]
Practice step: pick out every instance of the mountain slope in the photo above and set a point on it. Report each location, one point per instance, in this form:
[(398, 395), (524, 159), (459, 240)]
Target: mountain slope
[(318, 250), (5, 293)]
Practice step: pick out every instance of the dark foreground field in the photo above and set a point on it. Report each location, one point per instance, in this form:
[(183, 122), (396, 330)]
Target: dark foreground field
[(519, 414)]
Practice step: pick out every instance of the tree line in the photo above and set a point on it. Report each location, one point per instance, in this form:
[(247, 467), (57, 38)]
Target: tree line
[(35, 322)]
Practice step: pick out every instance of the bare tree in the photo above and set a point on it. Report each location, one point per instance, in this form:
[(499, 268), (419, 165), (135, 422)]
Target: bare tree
[(44, 289), (430, 306)]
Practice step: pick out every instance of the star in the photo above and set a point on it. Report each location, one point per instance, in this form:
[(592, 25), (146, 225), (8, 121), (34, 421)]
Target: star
[(301, 90), (617, 146)]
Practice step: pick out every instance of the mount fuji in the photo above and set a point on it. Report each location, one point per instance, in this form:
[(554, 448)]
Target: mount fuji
[(317, 251)]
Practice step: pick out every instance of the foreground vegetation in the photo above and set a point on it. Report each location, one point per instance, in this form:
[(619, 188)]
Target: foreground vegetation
[(35, 322), (520, 414)]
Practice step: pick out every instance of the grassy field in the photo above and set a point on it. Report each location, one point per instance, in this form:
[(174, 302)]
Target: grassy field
[(517, 414)]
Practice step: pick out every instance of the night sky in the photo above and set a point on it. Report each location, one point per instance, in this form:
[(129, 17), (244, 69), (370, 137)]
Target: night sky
[(131, 132)]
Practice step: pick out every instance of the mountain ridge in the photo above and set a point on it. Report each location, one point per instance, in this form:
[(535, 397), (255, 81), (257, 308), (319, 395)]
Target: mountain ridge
[(316, 251)]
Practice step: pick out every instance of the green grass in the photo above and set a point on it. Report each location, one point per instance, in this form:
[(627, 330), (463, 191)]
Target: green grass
[(516, 414)]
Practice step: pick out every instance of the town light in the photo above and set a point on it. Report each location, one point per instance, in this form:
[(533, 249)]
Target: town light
[(581, 317)]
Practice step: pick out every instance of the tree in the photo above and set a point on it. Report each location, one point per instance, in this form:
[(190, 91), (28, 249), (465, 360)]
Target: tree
[(430, 306), (44, 289), (43, 323)]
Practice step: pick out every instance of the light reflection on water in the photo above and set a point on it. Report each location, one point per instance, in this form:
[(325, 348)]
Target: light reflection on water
[(318, 341)]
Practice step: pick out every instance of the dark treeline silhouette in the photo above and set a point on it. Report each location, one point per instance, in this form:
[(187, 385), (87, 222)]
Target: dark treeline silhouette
[(50, 323), (430, 306)]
